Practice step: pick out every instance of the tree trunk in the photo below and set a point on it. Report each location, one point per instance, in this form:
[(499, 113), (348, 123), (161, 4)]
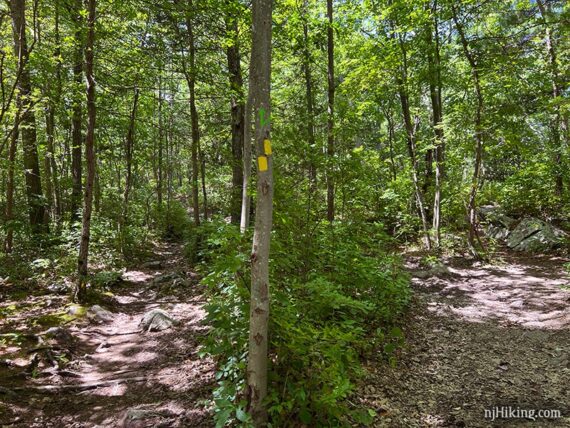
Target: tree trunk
[(330, 120), (9, 240), (202, 159), (557, 124), (237, 114), (411, 132), (76, 120), (246, 198), (50, 162), (260, 101), (34, 193), (310, 105), (437, 117), (89, 154), (129, 150), (159, 185), (191, 79), (473, 237)]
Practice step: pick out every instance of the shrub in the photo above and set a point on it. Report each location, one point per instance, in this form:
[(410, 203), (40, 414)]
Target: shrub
[(326, 307)]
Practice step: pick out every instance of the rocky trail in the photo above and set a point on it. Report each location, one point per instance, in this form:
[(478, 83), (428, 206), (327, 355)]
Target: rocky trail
[(115, 375), (480, 337)]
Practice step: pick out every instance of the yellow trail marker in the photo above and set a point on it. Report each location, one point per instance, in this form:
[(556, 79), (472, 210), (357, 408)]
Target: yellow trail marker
[(262, 163), (267, 147)]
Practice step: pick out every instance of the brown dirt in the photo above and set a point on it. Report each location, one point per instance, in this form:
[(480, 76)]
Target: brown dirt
[(141, 380), (479, 337)]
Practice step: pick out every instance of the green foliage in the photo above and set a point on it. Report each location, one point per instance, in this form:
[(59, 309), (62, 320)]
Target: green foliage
[(325, 307)]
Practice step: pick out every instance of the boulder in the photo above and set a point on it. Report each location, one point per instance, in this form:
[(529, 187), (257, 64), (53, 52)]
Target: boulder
[(99, 315), (534, 235), (157, 320)]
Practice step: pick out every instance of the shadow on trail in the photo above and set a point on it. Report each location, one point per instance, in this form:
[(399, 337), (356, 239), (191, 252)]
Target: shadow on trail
[(480, 337), (125, 378)]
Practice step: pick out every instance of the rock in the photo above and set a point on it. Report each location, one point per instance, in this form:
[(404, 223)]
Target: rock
[(58, 289), (157, 320), (167, 277), (436, 270), (155, 264), (99, 315), (497, 232), (76, 310), (498, 224), (60, 335), (534, 235)]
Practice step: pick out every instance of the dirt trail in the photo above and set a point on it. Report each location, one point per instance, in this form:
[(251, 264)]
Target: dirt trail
[(127, 378), (480, 337)]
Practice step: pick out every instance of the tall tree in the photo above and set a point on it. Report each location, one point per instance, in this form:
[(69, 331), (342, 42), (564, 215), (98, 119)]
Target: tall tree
[(77, 114), (411, 136), (190, 73), (309, 100), (90, 161), (9, 240), (473, 237), (260, 102), (557, 124), (34, 193), (330, 120), (237, 109), (433, 57)]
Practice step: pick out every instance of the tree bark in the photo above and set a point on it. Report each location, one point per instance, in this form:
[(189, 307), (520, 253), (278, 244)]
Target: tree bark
[(129, 151), (160, 175), (260, 101), (330, 119), (437, 116), (237, 113), (473, 237), (191, 80), (34, 193), (310, 105), (202, 159), (557, 124), (9, 240), (76, 120), (89, 154), (411, 132)]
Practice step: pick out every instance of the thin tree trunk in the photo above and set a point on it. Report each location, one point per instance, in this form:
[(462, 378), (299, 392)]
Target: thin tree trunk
[(191, 79), (260, 100), (330, 119), (557, 124), (237, 114), (89, 154), (9, 240), (129, 150), (246, 198), (34, 193), (390, 123), (159, 185), (411, 132), (473, 237), (51, 163), (76, 120), (310, 105), (202, 159), (437, 117)]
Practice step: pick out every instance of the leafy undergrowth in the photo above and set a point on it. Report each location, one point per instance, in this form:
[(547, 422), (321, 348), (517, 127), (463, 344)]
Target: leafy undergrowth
[(336, 293)]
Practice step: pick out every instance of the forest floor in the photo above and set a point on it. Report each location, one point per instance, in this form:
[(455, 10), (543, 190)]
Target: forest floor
[(114, 376), (477, 337), (480, 337)]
